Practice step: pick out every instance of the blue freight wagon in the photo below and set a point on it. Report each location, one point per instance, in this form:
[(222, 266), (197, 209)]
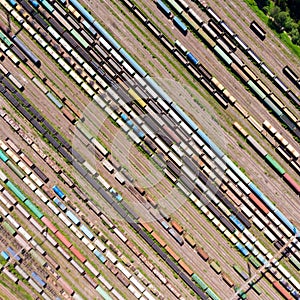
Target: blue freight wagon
[(38, 279), (242, 249), (89, 28), (119, 197), (86, 231), (113, 191), (116, 195), (14, 254), (192, 58), (13, 3), (59, 204), (26, 51), (163, 8), (54, 100), (141, 134), (262, 259), (3, 156), (72, 217), (237, 223), (164, 224), (124, 117), (34, 3), (5, 255), (129, 123), (99, 256), (58, 192), (135, 129), (180, 25), (184, 116)]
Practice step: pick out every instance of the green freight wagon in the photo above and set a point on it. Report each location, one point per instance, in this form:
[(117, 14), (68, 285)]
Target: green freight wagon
[(8, 228), (243, 274), (241, 293), (34, 209), (256, 288), (206, 38), (78, 37), (199, 281), (215, 267), (5, 39), (190, 21), (47, 6), (212, 295), (274, 164), (254, 262), (223, 55), (38, 258), (16, 191), (176, 6), (3, 157), (16, 170), (257, 90), (295, 262), (103, 293), (84, 130)]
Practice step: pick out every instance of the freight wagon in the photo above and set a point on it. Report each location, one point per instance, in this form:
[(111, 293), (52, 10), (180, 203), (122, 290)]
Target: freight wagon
[(214, 265), (57, 190), (257, 289), (177, 227), (254, 262), (87, 232), (164, 8), (258, 30), (227, 279), (244, 275), (22, 272), (13, 254), (72, 217), (5, 255), (202, 253), (38, 279), (190, 240), (290, 74)]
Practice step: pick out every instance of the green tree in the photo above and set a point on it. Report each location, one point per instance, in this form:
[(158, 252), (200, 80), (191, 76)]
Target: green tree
[(294, 9), (274, 11), (281, 3), (281, 19), (283, 15), (289, 24), (262, 3), (266, 9), (295, 35)]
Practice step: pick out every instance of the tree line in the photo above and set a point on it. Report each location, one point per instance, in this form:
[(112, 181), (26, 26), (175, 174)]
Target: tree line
[(284, 15)]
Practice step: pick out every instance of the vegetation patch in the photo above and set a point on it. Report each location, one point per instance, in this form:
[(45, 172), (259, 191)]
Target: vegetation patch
[(283, 16)]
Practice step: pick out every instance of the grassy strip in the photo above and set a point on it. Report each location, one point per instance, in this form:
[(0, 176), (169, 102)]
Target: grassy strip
[(15, 289)]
